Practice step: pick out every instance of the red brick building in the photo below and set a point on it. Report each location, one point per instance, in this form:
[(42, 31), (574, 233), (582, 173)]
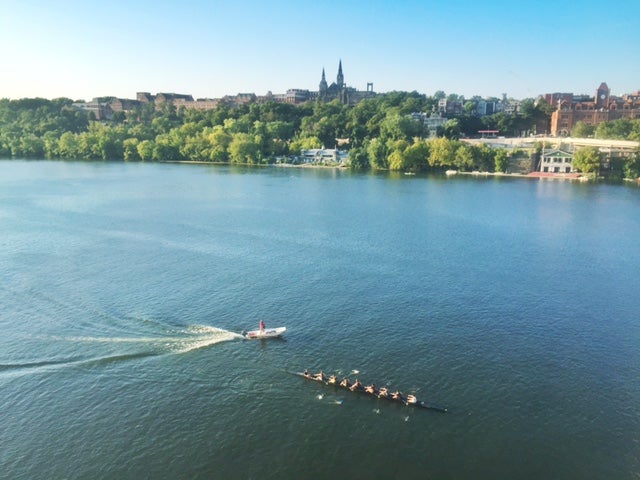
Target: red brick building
[(603, 107)]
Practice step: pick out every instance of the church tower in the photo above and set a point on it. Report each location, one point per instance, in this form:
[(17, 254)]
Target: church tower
[(602, 96), (340, 79), (323, 83)]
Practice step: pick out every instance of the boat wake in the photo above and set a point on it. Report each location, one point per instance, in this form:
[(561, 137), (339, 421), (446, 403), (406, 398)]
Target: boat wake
[(89, 350), (183, 340)]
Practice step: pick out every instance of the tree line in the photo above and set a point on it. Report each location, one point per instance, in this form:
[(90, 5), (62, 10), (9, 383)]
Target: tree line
[(381, 132)]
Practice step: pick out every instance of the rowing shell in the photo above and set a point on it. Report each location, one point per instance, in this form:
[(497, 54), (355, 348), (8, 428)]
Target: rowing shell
[(418, 404), (267, 333)]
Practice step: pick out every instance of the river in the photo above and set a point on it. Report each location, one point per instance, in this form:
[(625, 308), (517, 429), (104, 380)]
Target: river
[(124, 289)]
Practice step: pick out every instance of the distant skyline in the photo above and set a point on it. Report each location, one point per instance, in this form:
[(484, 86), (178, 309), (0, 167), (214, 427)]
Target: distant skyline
[(82, 50)]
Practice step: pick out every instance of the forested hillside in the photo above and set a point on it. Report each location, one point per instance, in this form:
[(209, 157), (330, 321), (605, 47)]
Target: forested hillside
[(381, 133)]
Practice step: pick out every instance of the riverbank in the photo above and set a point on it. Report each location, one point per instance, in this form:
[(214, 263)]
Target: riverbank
[(556, 176)]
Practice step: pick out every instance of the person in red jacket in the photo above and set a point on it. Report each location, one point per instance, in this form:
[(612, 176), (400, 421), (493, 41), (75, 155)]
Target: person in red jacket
[(261, 326)]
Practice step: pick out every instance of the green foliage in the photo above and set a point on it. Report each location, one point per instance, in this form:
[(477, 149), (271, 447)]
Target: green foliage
[(416, 156), (381, 132), (631, 167), (130, 149), (378, 154), (622, 129), (587, 159), (145, 150), (463, 158), (306, 143), (358, 159), (582, 130), (441, 153), (501, 160), (244, 149), (399, 127)]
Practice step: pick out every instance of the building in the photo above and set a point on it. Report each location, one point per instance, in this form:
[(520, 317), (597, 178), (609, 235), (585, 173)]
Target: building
[(339, 90), (98, 108), (485, 107), (449, 108), (325, 156), (556, 161), (431, 122), (103, 108), (603, 107)]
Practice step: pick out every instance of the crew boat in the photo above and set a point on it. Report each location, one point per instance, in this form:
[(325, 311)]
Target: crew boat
[(372, 390)]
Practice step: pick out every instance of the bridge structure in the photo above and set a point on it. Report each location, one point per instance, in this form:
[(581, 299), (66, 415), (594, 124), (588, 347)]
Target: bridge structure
[(605, 145)]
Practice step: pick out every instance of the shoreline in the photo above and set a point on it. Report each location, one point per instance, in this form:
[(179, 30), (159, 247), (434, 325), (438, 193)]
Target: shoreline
[(532, 175)]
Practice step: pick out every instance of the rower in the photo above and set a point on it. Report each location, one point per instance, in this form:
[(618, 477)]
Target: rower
[(383, 392), (306, 373), (345, 383), (356, 386), (370, 389), (411, 399), (396, 395), (319, 376), (332, 380)]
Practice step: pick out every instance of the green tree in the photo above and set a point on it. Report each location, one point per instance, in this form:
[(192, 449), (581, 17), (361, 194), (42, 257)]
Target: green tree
[(243, 149), (305, 143), (396, 159), (621, 129), (377, 152), (463, 158), (130, 149), (219, 140), (582, 130), (145, 150), (587, 159), (31, 146), (441, 152), (632, 166), (68, 145), (452, 129), (501, 160), (416, 156), (358, 159), (400, 127), (469, 107)]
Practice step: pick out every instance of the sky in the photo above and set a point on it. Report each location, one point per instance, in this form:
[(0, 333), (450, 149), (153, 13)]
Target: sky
[(83, 49)]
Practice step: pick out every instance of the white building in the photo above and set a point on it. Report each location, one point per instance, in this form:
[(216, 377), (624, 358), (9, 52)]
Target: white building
[(556, 161), (325, 156)]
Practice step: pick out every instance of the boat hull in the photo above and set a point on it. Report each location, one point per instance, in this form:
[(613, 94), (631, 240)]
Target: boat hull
[(417, 404), (267, 333)]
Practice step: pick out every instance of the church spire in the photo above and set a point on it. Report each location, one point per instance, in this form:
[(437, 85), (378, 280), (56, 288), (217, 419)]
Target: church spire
[(323, 82), (340, 79)]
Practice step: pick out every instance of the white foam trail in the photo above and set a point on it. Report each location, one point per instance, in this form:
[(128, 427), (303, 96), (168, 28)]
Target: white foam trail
[(191, 338), (208, 336)]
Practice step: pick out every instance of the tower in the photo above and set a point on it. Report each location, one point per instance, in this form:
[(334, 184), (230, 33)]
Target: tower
[(340, 78), (323, 83), (602, 96)]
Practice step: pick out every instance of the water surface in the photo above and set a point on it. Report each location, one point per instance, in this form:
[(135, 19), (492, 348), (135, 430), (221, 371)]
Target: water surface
[(124, 288)]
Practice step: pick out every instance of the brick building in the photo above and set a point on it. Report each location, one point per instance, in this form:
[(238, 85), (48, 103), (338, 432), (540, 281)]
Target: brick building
[(603, 107)]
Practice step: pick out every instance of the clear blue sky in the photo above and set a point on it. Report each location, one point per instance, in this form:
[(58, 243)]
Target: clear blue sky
[(83, 48)]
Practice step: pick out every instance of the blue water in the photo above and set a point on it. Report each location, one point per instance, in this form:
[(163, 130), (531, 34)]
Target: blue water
[(124, 287)]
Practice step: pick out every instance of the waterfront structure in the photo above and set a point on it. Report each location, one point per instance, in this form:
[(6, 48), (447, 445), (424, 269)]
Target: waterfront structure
[(556, 161), (602, 107), (324, 156)]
